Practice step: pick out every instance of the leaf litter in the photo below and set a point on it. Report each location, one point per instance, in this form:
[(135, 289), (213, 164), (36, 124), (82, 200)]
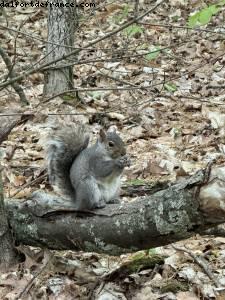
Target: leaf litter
[(173, 125)]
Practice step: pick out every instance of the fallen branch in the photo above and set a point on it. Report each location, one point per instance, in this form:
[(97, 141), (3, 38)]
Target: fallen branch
[(167, 216), (202, 263)]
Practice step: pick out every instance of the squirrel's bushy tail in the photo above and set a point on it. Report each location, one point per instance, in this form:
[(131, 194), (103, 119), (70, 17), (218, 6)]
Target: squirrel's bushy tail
[(62, 149)]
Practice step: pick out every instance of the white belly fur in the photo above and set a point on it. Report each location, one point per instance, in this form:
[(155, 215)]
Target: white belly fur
[(110, 188)]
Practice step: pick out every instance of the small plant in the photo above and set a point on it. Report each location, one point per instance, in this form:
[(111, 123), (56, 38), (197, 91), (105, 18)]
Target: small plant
[(132, 30), (204, 16), (96, 95), (153, 54), (170, 87)]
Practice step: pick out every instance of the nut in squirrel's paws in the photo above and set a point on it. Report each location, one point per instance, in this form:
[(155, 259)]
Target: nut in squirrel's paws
[(124, 161)]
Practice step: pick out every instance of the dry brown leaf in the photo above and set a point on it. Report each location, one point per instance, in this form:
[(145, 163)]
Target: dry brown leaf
[(186, 296)]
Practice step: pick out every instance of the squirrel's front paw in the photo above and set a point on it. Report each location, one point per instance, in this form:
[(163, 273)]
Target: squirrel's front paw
[(114, 201), (100, 204), (123, 161)]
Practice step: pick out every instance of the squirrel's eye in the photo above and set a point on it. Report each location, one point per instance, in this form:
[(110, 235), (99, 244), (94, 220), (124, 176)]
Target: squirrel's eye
[(111, 144)]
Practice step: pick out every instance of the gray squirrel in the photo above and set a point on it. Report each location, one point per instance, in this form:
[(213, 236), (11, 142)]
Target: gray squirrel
[(89, 176)]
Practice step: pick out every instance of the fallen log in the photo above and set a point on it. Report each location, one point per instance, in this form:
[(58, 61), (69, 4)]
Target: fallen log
[(191, 206)]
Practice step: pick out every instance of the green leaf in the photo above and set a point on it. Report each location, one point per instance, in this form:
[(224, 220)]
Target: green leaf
[(170, 87), (214, 9), (68, 97), (95, 95), (193, 20), (205, 16), (153, 54), (132, 30), (151, 251)]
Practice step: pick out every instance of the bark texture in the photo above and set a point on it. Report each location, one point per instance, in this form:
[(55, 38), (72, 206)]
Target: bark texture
[(164, 217), (61, 30), (8, 253)]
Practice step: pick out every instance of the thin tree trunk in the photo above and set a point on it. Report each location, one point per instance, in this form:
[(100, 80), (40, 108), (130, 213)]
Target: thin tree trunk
[(8, 253), (61, 30)]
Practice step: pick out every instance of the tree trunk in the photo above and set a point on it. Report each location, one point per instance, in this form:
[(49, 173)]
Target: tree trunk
[(8, 253), (167, 216), (61, 30)]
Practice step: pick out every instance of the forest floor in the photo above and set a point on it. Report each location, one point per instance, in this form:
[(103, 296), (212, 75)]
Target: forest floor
[(170, 112)]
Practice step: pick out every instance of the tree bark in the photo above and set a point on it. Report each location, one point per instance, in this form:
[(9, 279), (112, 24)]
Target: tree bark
[(167, 216), (61, 30), (8, 253)]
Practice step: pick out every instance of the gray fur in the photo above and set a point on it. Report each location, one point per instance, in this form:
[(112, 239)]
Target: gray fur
[(89, 176), (62, 149)]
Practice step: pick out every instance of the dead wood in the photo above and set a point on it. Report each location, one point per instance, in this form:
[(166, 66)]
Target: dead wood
[(169, 215)]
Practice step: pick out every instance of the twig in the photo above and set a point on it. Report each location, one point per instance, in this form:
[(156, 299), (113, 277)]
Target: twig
[(127, 88), (12, 74), (114, 59), (7, 128), (116, 79), (181, 27), (29, 184), (53, 43), (201, 262), (29, 285), (75, 52)]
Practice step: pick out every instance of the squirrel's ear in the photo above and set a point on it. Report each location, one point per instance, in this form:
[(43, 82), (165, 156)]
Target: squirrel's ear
[(102, 135)]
